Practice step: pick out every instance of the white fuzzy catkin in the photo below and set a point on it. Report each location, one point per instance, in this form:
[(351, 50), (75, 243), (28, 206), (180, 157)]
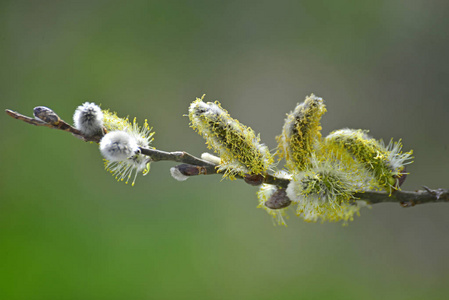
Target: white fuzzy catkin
[(118, 146), (176, 174), (88, 118), (211, 158)]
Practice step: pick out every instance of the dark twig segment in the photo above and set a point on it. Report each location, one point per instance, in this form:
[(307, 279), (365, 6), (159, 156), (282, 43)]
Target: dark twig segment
[(178, 156), (406, 198), (211, 169), (61, 125), (191, 170)]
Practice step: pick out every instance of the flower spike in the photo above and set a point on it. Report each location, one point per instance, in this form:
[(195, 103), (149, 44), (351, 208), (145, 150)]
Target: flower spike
[(130, 137), (301, 132), (238, 146), (324, 191), (385, 163)]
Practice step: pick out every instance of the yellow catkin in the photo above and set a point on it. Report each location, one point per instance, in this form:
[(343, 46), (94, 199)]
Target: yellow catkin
[(385, 163), (237, 145), (124, 170), (324, 191), (301, 132)]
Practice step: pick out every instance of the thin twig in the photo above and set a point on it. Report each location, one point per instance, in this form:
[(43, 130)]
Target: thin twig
[(178, 156), (193, 166), (406, 198), (61, 125)]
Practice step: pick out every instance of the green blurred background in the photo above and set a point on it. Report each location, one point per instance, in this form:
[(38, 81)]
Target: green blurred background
[(68, 230)]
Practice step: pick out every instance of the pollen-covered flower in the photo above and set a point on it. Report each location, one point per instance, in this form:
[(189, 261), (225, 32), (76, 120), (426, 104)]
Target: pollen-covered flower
[(88, 118), (130, 137), (301, 133), (238, 146), (385, 163), (324, 191)]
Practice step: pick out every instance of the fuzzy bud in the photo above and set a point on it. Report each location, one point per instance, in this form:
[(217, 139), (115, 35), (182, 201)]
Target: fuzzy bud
[(118, 146), (88, 118), (211, 158), (46, 115), (176, 174), (278, 199), (266, 194), (275, 200)]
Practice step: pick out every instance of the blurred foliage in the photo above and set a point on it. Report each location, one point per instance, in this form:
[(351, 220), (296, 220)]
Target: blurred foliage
[(69, 231)]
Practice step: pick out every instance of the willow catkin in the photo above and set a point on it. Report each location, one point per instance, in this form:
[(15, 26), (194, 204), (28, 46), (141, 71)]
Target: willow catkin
[(385, 163), (301, 132), (237, 145)]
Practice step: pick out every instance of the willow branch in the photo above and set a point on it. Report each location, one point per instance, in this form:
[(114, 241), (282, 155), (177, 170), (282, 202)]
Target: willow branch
[(154, 154), (193, 166)]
